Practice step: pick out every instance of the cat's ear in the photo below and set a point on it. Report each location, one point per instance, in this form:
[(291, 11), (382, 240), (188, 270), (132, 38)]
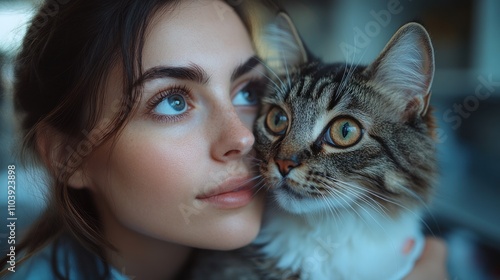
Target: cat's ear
[(284, 49), (405, 69)]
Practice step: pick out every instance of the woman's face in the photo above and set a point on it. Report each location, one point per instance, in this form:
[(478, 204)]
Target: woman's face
[(177, 171)]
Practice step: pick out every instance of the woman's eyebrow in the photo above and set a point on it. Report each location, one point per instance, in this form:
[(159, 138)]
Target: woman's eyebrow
[(245, 67), (192, 72)]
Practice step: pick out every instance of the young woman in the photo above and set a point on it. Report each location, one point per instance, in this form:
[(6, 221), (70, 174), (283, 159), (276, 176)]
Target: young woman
[(141, 112)]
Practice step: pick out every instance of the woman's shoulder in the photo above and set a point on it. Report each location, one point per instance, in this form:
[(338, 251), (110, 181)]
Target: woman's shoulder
[(63, 259)]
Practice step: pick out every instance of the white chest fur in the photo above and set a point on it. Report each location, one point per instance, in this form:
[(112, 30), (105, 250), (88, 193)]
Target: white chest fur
[(364, 245)]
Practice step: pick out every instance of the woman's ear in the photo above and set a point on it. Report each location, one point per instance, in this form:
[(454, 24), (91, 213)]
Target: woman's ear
[(78, 179), (62, 162)]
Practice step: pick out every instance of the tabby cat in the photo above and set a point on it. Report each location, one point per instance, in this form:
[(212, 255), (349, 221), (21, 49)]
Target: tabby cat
[(348, 155)]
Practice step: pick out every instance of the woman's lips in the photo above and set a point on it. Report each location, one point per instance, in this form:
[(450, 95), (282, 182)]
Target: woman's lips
[(233, 193)]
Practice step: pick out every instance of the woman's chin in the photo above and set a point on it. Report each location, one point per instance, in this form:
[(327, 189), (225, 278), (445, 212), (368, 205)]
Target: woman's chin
[(234, 231)]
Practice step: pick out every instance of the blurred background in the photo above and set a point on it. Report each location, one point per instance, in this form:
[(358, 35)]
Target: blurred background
[(465, 95)]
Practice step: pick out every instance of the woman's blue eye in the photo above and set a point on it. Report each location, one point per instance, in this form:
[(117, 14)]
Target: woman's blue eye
[(248, 95), (245, 98), (174, 104)]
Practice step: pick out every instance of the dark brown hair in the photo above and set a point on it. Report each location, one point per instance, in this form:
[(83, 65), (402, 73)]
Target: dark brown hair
[(60, 72)]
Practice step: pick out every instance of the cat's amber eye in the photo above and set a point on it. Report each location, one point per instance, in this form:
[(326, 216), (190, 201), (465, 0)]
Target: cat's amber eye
[(277, 121), (344, 132)]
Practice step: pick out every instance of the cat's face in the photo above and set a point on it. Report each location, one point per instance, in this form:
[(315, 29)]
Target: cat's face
[(342, 137)]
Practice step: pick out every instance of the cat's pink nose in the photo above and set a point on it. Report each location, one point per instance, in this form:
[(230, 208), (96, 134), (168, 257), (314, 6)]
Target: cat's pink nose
[(285, 165)]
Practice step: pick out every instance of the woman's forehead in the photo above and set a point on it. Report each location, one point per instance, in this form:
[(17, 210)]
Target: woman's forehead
[(193, 32)]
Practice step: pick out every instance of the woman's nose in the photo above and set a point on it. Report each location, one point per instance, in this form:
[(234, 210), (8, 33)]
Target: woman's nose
[(234, 139)]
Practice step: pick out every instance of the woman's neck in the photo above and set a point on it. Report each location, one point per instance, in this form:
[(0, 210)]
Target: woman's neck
[(141, 257), (148, 262)]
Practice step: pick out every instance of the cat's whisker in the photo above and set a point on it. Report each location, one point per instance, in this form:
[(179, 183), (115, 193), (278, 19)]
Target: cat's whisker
[(285, 62), (345, 76), (256, 177), (350, 68), (357, 190), (360, 206), (330, 200), (250, 159), (281, 89), (379, 208), (417, 197), (250, 180), (335, 193), (344, 79), (341, 195), (260, 185), (425, 207), (373, 192), (363, 191), (392, 201), (364, 197), (276, 87), (330, 205), (332, 195)]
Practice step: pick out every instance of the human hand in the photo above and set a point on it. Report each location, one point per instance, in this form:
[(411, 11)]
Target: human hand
[(432, 263)]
